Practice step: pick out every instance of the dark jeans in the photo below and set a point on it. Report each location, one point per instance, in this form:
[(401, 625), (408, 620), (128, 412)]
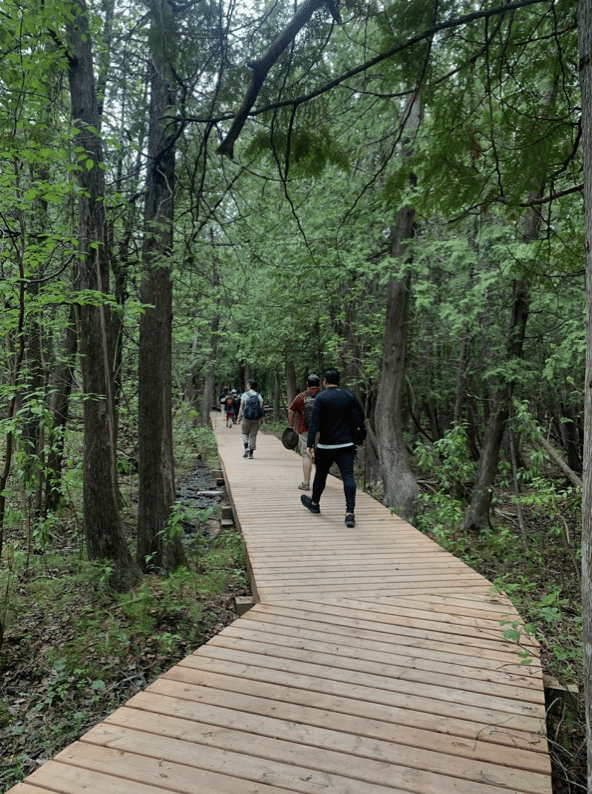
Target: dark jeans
[(344, 458)]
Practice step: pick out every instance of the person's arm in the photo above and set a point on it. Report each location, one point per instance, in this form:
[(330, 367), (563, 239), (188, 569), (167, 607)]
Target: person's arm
[(240, 410), (295, 408), (313, 427)]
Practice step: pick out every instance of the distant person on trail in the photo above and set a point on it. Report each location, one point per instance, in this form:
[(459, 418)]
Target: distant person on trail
[(251, 412), (236, 406), (338, 417), (229, 408), (299, 414)]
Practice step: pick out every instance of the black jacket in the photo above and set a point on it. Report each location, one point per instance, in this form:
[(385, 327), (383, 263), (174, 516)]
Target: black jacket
[(335, 413)]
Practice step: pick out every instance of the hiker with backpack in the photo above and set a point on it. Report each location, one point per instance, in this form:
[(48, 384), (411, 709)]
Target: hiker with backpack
[(251, 413), (299, 414)]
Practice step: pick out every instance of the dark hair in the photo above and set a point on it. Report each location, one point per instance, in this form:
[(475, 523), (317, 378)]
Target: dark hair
[(252, 384), (331, 375), (313, 380)]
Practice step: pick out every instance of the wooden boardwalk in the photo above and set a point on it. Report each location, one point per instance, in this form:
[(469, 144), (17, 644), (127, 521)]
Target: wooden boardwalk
[(374, 663)]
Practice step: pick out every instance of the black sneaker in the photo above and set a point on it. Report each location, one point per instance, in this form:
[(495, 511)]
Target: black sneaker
[(350, 521), (246, 453), (307, 502), (250, 454)]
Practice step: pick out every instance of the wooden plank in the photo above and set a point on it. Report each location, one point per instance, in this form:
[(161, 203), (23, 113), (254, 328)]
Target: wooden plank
[(187, 682), (370, 650), (256, 714), (393, 623), (303, 768), (408, 677), (287, 742), (376, 689), (292, 621)]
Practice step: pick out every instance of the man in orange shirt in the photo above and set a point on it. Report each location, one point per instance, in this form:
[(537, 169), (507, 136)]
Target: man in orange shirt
[(299, 414)]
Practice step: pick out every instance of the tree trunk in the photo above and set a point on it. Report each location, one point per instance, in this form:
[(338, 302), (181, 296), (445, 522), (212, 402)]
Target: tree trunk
[(400, 487), (585, 64), (208, 392), (157, 547), (461, 378), (276, 396), (477, 515), (62, 383), (350, 352), (102, 525), (291, 386)]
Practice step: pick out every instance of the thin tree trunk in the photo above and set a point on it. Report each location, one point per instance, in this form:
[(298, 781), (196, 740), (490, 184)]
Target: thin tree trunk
[(62, 383), (477, 515), (291, 387), (461, 378), (157, 548), (208, 392), (585, 65), (102, 525), (276, 396)]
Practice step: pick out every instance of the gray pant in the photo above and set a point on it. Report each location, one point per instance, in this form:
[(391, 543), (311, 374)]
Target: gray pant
[(249, 429)]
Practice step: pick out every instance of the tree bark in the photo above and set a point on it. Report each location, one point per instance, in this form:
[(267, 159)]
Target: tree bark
[(291, 386), (62, 383), (208, 392), (102, 525), (477, 515), (400, 487), (585, 67), (157, 548)]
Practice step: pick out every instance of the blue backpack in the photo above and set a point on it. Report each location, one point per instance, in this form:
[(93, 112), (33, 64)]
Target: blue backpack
[(253, 408)]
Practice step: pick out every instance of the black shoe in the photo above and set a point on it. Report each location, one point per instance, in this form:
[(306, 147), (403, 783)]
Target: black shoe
[(246, 453), (250, 454), (307, 502), (350, 520)]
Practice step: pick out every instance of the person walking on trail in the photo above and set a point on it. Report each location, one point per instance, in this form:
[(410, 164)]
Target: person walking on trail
[(228, 407), (251, 413), (299, 414), (338, 417), (237, 402)]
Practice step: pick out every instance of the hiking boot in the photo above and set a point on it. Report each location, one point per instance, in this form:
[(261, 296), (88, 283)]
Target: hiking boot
[(250, 454), (246, 453), (307, 502), (350, 521)]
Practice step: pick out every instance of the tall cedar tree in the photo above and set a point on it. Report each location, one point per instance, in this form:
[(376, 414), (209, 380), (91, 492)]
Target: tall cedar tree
[(157, 548), (102, 524)]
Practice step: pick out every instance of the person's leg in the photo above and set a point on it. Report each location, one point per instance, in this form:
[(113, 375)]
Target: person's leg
[(245, 426), (345, 461), (306, 462), (323, 461), (253, 435)]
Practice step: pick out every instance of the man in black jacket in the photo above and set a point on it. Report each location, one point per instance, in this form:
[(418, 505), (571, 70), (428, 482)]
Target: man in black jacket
[(335, 416)]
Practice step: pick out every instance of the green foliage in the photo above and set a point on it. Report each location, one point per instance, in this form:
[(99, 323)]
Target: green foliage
[(310, 151)]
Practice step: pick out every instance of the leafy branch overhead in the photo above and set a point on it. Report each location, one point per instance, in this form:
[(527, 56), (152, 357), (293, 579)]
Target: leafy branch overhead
[(261, 67)]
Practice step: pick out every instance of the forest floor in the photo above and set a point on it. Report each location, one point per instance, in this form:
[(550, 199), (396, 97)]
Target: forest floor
[(72, 653)]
